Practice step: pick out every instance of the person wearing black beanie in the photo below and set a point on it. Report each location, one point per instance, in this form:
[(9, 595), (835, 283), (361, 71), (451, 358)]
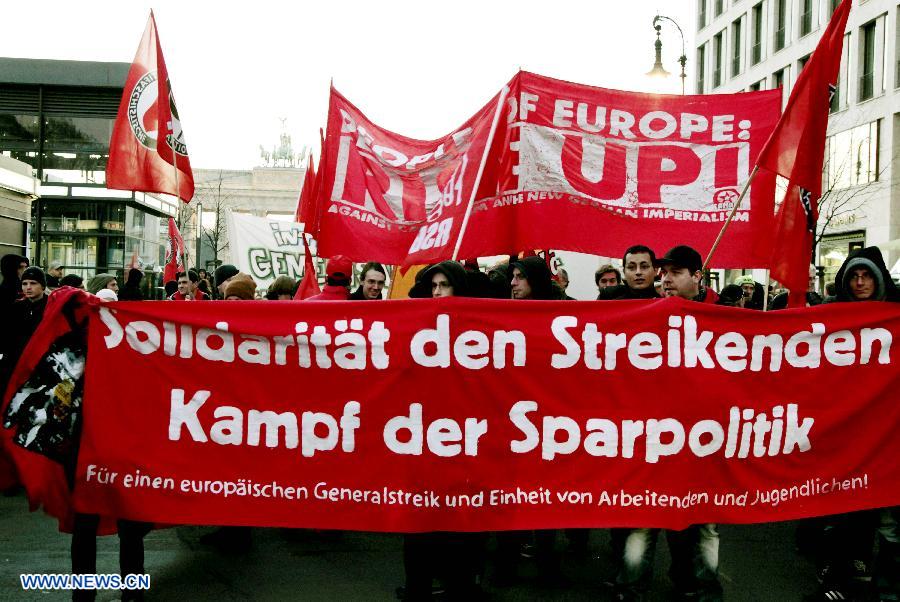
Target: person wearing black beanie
[(19, 323), (222, 275)]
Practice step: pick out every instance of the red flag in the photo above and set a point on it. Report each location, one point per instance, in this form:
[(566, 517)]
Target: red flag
[(174, 253), (147, 150), (309, 286), (796, 151), (306, 203)]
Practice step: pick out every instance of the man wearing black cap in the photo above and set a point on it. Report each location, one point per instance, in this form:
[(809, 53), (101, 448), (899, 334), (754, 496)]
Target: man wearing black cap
[(681, 272), (222, 275), (22, 320)]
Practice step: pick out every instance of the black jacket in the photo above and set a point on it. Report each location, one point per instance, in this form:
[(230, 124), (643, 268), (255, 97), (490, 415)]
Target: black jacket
[(871, 258), (623, 291)]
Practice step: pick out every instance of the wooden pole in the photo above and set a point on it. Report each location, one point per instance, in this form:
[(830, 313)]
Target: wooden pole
[(730, 216), (484, 156)]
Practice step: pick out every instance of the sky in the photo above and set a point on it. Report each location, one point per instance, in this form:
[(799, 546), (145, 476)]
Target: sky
[(417, 68)]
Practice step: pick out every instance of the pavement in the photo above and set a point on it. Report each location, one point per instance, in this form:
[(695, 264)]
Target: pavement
[(757, 563)]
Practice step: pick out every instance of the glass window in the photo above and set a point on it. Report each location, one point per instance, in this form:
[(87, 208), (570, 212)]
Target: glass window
[(66, 216), (701, 14), (717, 60), (867, 61), (701, 73), (73, 251), (720, 6), (851, 157), (736, 41), (19, 132), (757, 33), (805, 17), (780, 23), (78, 133)]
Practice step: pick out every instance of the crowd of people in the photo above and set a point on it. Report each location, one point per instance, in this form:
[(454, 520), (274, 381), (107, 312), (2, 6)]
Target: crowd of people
[(858, 554)]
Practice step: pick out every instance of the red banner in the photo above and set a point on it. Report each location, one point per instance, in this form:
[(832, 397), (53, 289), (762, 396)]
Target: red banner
[(570, 167), (456, 414)]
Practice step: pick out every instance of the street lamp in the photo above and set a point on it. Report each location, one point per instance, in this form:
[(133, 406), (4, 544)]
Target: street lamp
[(658, 70)]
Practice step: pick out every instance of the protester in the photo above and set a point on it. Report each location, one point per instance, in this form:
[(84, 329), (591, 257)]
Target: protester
[(681, 274), (456, 559), (222, 275), (695, 550), (132, 289), (372, 277), (54, 273), (22, 319), (845, 549), (530, 278), (639, 263), (102, 280), (338, 271), (187, 283), (813, 298), (11, 267), (562, 279), (73, 280), (105, 294), (606, 276), (240, 287), (282, 289), (498, 276), (732, 296), (204, 277)]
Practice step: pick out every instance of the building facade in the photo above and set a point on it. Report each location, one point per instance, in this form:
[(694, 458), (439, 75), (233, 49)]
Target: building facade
[(270, 192), (18, 189), (57, 117), (746, 45)]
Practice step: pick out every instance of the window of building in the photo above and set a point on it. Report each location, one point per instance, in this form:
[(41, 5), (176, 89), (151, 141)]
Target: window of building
[(736, 41), (756, 51), (755, 87), (867, 61), (801, 63), (806, 7), (701, 14), (780, 23), (851, 157), (701, 69), (834, 250), (778, 79), (838, 95), (717, 59), (833, 4), (720, 7)]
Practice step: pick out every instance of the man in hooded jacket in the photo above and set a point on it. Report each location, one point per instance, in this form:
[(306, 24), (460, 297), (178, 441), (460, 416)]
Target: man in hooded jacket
[(847, 539)]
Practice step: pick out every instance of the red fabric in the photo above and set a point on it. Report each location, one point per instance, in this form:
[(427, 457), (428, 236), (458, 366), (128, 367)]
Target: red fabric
[(570, 167), (141, 156), (309, 285), (174, 253), (591, 399), (44, 479), (796, 150), (198, 296), (331, 292), (306, 208)]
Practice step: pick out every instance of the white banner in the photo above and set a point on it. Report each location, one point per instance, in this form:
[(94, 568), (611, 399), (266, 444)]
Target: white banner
[(266, 248)]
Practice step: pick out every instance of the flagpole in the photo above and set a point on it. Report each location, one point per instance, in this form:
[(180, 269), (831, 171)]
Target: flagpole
[(766, 292), (487, 149), (730, 216)]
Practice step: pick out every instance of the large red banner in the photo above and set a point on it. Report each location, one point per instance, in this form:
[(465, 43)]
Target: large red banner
[(462, 414), (569, 167)]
